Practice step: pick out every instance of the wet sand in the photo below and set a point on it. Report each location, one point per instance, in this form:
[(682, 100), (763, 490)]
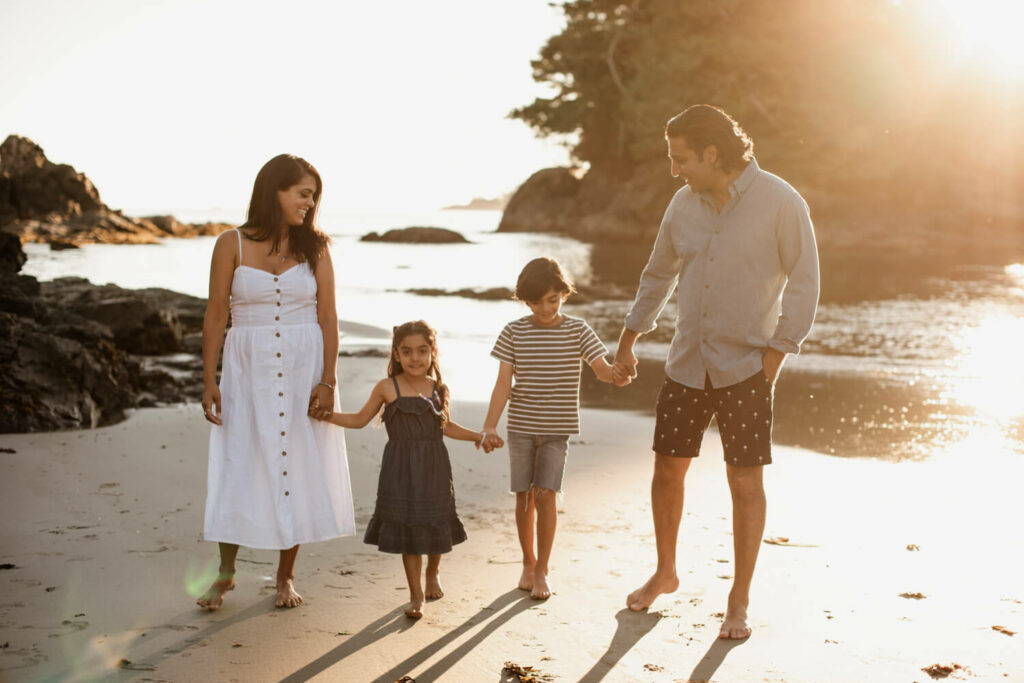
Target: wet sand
[(103, 529)]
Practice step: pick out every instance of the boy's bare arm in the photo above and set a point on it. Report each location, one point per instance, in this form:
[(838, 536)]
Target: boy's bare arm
[(603, 370), (499, 397)]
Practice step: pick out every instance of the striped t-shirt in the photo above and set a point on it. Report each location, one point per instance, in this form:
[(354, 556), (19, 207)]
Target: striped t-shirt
[(545, 395)]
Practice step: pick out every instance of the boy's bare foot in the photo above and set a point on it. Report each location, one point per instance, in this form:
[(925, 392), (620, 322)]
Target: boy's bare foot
[(526, 580), (286, 595), (214, 596), (434, 590), (642, 597), (541, 589), (415, 609), (735, 625)]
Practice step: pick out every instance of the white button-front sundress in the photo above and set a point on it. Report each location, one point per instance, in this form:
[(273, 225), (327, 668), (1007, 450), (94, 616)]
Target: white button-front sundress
[(277, 478)]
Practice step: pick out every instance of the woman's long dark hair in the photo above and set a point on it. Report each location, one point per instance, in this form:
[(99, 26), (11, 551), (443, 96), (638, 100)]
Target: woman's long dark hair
[(305, 242), (395, 368)]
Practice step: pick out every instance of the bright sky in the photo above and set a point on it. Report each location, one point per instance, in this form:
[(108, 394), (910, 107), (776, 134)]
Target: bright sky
[(175, 104)]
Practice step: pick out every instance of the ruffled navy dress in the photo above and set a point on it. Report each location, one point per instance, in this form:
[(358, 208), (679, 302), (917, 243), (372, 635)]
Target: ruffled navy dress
[(415, 511)]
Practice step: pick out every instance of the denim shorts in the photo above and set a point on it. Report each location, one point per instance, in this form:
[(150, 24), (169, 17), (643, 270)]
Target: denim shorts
[(536, 460)]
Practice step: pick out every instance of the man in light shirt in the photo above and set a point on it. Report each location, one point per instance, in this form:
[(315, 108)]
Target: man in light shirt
[(739, 243)]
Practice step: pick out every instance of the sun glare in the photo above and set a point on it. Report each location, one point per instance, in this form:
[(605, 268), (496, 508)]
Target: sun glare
[(985, 36), (989, 371)]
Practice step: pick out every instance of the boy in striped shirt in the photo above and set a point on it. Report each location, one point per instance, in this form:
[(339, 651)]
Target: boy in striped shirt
[(541, 352)]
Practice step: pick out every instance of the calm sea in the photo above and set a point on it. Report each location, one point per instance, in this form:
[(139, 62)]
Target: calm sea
[(928, 365)]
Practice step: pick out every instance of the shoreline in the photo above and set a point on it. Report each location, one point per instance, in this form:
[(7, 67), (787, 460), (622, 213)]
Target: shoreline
[(104, 530)]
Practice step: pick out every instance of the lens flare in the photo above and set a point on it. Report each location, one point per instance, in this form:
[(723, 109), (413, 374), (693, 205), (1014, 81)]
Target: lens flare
[(199, 576)]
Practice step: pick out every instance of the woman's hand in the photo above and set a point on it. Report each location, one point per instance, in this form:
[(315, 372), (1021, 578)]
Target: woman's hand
[(211, 400), (321, 402)]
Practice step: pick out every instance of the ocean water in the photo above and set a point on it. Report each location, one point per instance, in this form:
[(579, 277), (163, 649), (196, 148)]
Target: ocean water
[(929, 367)]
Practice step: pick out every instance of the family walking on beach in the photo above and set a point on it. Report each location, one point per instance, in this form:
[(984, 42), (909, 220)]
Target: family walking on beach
[(736, 243)]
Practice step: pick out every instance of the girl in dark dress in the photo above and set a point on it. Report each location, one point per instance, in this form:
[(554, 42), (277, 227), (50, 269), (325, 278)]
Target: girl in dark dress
[(415, 512)]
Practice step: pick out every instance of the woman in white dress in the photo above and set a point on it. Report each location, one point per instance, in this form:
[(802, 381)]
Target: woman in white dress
[(277, 479)]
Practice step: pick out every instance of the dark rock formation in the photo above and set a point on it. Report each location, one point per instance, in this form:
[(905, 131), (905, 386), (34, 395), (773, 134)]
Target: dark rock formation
[(75, 355), (585, 294), (417, 235), (45, 202), (598, 207)]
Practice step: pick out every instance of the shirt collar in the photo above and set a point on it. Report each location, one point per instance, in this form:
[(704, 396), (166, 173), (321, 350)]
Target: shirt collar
[(745, 179)]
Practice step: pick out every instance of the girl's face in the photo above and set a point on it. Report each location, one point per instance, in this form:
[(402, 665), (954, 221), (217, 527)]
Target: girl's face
[(414, 354), (296, 201), (547, 310)]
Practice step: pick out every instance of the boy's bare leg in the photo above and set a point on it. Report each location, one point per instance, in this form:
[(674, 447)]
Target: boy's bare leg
[(434, 590), (225, 581), (286, 595), (413, 567), (748, 514), (667, 509), (547, 520), (525, 514)]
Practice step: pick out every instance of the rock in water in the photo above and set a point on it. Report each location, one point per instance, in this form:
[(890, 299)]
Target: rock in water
[(417, 235)]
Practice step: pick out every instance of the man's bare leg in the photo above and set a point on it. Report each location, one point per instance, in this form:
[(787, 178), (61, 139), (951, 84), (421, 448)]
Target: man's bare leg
[(286, 595), (748, 514), (525, 514), (547, 520), (433, 576), (413, 566), (225, 581), (667, 509)]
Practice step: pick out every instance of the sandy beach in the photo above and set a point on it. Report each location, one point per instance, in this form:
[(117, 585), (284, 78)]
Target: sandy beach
[(103, 557)]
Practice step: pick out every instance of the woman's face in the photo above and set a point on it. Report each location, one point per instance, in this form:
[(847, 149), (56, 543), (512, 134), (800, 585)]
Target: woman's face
[(296, 201)]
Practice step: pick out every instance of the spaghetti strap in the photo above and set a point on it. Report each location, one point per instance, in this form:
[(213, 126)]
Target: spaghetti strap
[(239, 233), (398, 391)]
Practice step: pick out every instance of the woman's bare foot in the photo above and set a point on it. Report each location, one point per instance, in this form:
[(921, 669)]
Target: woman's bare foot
[(541, 589), (526, 580), (735, 625), (415, 608), (434, 590), (642, 597), (286, 595), (214, 596)]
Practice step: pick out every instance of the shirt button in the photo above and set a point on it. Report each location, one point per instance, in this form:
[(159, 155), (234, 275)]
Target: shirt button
[(278, 303), (287, 493), (278, 291), (280, 374), (280, 393), (279, 355), (284, 452), (282, 433), (286, 473), (277, 334), (275, 279), (282, 414)]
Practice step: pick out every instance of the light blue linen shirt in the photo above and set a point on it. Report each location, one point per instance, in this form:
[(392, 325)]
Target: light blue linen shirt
[(747, 279)]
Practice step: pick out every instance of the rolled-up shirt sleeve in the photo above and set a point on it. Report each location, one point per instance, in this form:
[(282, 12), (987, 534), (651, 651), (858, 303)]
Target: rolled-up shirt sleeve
[(798, 254), (657, 281)]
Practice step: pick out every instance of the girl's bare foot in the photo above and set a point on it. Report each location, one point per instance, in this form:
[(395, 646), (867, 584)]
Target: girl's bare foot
[(214, 596), (434, 590), (415, 609), (642, 597), (286, 595), (526, 580), (735, 625), (541, 589)]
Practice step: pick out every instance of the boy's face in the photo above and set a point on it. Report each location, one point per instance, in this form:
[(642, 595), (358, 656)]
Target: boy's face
[(548, 309)]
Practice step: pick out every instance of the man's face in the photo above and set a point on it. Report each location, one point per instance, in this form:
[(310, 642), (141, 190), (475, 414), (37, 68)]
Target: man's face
[(688, 166)]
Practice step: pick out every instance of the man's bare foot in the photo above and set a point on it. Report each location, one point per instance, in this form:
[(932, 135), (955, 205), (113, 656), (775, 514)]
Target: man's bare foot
[(735, 625), (434, 590), (286, 595), (642, 597), (526, 580), (214, 596), (541, 589), (415, 609)]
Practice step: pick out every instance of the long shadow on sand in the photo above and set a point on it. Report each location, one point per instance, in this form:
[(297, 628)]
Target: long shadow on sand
[(632, 627), (712, 659), (491, 615)]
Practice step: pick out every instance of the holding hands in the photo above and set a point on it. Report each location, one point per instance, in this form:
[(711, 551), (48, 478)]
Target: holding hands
[(490, 440)]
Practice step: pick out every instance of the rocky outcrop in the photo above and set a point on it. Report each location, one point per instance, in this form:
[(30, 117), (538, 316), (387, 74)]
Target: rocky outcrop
[(41, 201), (417, 235), (76, 355), (600, 206)]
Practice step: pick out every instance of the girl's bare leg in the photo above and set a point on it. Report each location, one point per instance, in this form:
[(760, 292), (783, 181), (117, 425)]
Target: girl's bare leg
[(525, 515), (225, 581), (413, 567), (434, 590), (286, 595)]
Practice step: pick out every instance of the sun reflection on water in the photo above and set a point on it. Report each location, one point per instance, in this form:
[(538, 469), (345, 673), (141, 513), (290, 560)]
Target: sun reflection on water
[(988, 373)]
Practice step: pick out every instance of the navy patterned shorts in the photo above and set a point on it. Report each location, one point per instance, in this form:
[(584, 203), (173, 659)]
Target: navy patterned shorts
[(743, 412)]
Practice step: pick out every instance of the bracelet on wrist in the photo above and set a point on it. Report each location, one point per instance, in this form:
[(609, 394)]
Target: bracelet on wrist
[(325, 384)]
